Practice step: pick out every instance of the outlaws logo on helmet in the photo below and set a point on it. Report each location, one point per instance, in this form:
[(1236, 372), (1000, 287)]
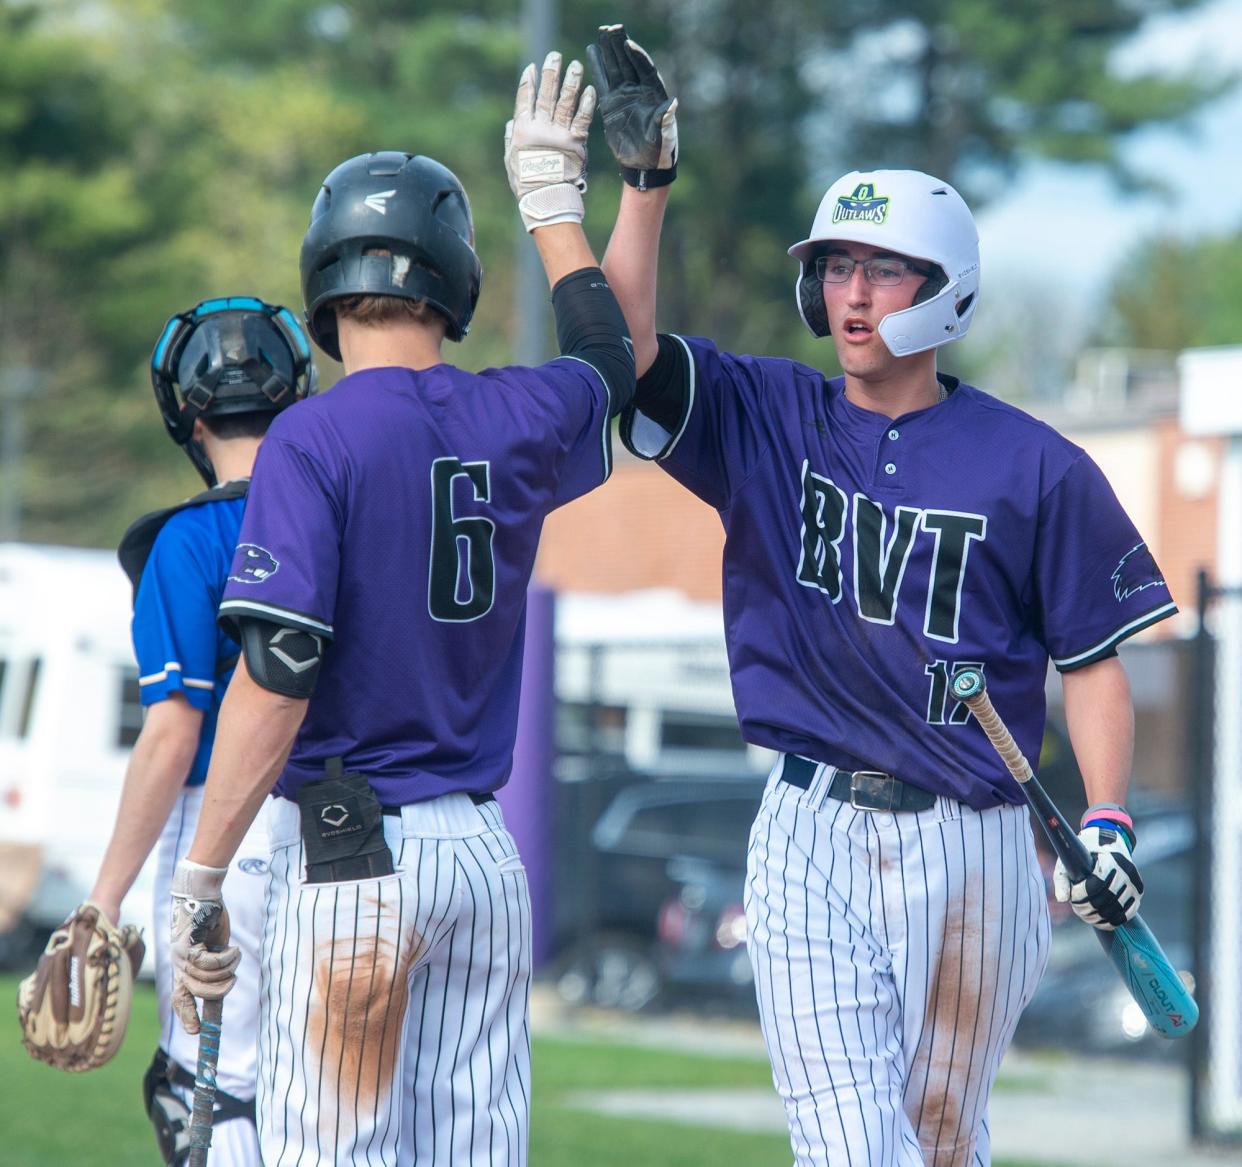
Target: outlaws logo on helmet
[(252, 564), (861, 206)]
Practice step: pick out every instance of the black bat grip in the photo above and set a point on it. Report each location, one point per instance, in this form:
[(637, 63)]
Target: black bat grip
[(1065, 842)]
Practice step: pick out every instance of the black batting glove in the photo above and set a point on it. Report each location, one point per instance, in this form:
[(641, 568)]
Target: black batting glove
[(640, 119), (1111, 892)]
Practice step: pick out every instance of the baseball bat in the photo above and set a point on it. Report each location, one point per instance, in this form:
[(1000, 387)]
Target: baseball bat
[(210, 1014), (1135, 953)]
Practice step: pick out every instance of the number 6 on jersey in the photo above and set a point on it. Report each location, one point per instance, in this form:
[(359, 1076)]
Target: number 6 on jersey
[(461, 548)]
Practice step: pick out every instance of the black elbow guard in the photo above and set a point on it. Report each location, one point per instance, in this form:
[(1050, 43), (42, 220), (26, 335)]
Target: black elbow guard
[(590, 326), (281, 659)]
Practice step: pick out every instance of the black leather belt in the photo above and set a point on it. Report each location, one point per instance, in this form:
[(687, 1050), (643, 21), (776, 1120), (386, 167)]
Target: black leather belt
[(862, 789), (477, 799)]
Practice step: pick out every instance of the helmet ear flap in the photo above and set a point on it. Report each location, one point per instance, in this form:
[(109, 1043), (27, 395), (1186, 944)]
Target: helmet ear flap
[(164, 361), (932, 286), (811, 299)]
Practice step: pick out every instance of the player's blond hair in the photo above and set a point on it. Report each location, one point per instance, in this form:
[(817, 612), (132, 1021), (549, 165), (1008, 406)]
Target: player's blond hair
[(372, 311)]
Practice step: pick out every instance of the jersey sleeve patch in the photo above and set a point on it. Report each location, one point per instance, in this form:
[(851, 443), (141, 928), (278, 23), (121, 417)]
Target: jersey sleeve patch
[(1136, 572), (253, 564)]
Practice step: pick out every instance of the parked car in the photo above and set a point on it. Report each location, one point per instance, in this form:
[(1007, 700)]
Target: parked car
[(657, 911), (652, 831), (702, 954)]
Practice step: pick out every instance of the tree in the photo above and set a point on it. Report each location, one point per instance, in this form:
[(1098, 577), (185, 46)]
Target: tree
[(135, 182), (1175, 294), (157, 152), (966, 89), (778, 100)]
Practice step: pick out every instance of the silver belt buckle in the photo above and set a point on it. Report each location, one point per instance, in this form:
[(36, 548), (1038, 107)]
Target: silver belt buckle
[(872, 790)]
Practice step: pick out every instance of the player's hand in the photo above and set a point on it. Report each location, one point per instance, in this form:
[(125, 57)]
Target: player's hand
[(640, 119), (546, 143), (204, 965), (1110, 895)]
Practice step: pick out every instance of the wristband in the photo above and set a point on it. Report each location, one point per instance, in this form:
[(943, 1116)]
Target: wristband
[(1111, 816), (196, 881), (1110, 810), (648, 179)]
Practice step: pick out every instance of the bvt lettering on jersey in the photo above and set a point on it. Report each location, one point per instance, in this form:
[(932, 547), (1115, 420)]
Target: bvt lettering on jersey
[(881, 556)]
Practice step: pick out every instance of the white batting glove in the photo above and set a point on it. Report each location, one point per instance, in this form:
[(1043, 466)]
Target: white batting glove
[(204, 965), (546, 144), (1111, 894)]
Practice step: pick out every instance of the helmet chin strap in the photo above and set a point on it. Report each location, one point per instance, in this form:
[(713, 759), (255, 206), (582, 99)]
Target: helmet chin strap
[(197, 455)]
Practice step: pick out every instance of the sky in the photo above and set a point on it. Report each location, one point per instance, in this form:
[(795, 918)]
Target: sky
[(1058, 211)]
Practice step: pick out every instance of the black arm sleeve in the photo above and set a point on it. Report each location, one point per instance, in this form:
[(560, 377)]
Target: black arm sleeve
[(589, 326), (663, 389)]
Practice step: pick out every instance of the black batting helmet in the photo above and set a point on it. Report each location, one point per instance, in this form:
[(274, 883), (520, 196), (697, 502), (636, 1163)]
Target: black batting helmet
[(228, 356), (408, 206)]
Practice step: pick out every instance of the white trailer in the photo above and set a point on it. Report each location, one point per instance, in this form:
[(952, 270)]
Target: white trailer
[(69, 713)]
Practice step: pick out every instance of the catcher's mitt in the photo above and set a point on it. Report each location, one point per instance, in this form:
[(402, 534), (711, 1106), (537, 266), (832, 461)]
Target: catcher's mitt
[(74, 1008)]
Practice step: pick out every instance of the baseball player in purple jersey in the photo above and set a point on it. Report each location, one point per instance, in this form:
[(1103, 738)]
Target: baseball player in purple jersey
[(379, 595), (883, 530)]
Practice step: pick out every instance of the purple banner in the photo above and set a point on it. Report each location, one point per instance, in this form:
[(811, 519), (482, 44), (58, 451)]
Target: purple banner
[(527, 798)]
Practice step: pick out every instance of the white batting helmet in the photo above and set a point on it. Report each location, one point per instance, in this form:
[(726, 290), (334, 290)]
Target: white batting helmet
[(912, 214)]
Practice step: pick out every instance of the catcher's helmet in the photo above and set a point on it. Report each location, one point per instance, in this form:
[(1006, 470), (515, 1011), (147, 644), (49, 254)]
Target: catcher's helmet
[(228, 356), (408, 206), (911, 214)]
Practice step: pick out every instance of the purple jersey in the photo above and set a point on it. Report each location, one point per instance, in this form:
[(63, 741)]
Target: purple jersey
[(867, 559), (398, 516)]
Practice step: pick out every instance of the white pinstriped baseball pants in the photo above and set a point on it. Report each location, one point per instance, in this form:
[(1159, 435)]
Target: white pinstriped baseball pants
[(893, 955), (393, 1014), (234, 1142)]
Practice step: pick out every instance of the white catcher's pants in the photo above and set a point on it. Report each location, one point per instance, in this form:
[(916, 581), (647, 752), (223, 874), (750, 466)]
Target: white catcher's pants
[(893, 955), (234, 1143), (394, 1010)]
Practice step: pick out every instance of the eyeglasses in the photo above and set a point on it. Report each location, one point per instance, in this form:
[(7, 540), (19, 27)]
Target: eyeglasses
[(883, 271)]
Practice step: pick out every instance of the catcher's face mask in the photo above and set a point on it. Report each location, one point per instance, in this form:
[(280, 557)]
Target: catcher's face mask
[(233, 355)]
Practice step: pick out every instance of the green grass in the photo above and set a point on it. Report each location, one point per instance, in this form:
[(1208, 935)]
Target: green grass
[(49, 1118)]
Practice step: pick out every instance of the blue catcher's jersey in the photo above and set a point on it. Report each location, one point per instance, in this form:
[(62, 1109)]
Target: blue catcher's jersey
[(179, 646)]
